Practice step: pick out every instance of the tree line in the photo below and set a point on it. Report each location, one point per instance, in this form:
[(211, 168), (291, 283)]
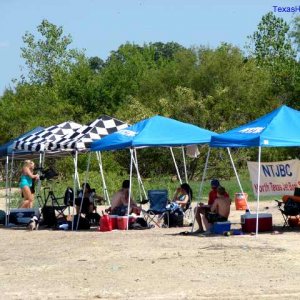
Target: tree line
[(214, 88)]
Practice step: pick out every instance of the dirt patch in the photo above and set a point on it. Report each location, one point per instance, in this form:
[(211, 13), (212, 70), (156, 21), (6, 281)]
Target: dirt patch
[(150, 264)]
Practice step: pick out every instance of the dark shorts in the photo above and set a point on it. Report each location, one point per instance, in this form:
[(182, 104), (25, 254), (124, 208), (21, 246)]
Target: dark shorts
[(120, 210), (213, 217), (85, 204)]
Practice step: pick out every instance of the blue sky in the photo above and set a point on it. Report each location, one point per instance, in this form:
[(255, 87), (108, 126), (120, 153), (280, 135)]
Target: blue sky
[(100, 26)]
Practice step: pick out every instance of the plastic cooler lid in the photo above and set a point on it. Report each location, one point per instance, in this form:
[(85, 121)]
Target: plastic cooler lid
[(253, 216), (222, 223)]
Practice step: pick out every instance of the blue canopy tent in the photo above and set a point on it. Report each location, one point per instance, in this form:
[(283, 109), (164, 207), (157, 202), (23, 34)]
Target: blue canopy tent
[(156, 131), (279, 128)]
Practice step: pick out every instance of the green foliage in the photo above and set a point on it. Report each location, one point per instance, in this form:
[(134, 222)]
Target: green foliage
[(217, 89), (271, 40), (273, 50), (227, 83), (47, 55), (295, 33)]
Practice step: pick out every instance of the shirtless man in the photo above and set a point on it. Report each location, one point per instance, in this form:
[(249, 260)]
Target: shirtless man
[(219, 211), (119, 202)]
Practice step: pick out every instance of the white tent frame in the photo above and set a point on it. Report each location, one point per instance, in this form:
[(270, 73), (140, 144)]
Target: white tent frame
[(134, 162)]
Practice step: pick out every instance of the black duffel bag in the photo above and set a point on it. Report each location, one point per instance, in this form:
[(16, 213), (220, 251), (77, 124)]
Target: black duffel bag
[(175, 218)]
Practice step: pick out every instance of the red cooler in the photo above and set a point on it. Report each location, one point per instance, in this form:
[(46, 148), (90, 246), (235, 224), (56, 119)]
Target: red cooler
[(122, 222), (114, 221), (248, 222)]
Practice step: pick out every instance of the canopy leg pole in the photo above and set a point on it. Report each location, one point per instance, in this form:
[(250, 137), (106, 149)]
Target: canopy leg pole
[(41, 165), (236, 174), (141, 185), (6, 191), (76, 169), (43, 159), (137, 172), (176, 167), (74, 189), (201, 186), (130, 186), (75, 184), (86, 178), (258, 189), (184, 164), (105, 192), (10, 183)]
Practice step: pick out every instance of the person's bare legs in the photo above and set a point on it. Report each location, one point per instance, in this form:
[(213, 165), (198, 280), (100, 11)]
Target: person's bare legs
[(198, 211), (28, 198), (206, 224)]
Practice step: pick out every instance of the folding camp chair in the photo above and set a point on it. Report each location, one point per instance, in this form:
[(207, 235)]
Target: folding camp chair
[(52, 208), (290, 210), (157, 211)]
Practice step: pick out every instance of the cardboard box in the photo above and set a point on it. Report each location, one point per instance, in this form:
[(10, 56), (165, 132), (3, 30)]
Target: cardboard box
[(220, 227), (22, 216), (248, 222)]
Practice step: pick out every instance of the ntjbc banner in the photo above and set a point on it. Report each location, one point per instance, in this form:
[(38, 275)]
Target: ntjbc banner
[(276, 178)]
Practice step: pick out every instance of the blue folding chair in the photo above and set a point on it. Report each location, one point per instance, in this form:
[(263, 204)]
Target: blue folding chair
[(158, 200)]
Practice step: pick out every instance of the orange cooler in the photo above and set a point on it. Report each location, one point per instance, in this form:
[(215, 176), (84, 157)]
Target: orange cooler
[(240, 200)]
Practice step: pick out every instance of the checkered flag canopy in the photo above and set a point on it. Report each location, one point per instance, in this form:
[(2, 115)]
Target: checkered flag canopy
[(41, 140), (82, 138)]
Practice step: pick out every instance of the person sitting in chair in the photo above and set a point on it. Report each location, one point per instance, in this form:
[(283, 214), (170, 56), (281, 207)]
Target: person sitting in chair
[(183, 196), (219, 211), (119, 202), (88, 206)]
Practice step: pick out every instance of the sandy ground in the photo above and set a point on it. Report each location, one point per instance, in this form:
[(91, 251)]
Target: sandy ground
[(150, 264)]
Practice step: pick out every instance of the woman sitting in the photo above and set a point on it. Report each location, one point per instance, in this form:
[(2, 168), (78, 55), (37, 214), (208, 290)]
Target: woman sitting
[(183, 196), (85, 202)]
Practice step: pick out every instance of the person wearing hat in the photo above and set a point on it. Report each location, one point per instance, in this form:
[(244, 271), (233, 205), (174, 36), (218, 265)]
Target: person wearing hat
[(214, 184), (218, 212)]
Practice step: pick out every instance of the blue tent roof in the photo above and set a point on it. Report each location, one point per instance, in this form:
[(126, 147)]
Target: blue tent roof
[(279, 128), (7, 148), (156, 131)]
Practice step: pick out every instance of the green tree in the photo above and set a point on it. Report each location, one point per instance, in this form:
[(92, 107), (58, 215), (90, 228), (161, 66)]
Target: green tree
[(271, 40), (165, 51), (295, 32), (273, 49), (96, 63), (31, 106), (45, 55)]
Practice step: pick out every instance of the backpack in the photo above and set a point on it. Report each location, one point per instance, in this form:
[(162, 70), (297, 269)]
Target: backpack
[(69, 196), (49, 217), (175, 218)]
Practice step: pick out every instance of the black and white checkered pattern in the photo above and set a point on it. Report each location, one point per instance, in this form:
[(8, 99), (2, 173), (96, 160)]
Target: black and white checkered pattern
[(82, 138), (41, 140)]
